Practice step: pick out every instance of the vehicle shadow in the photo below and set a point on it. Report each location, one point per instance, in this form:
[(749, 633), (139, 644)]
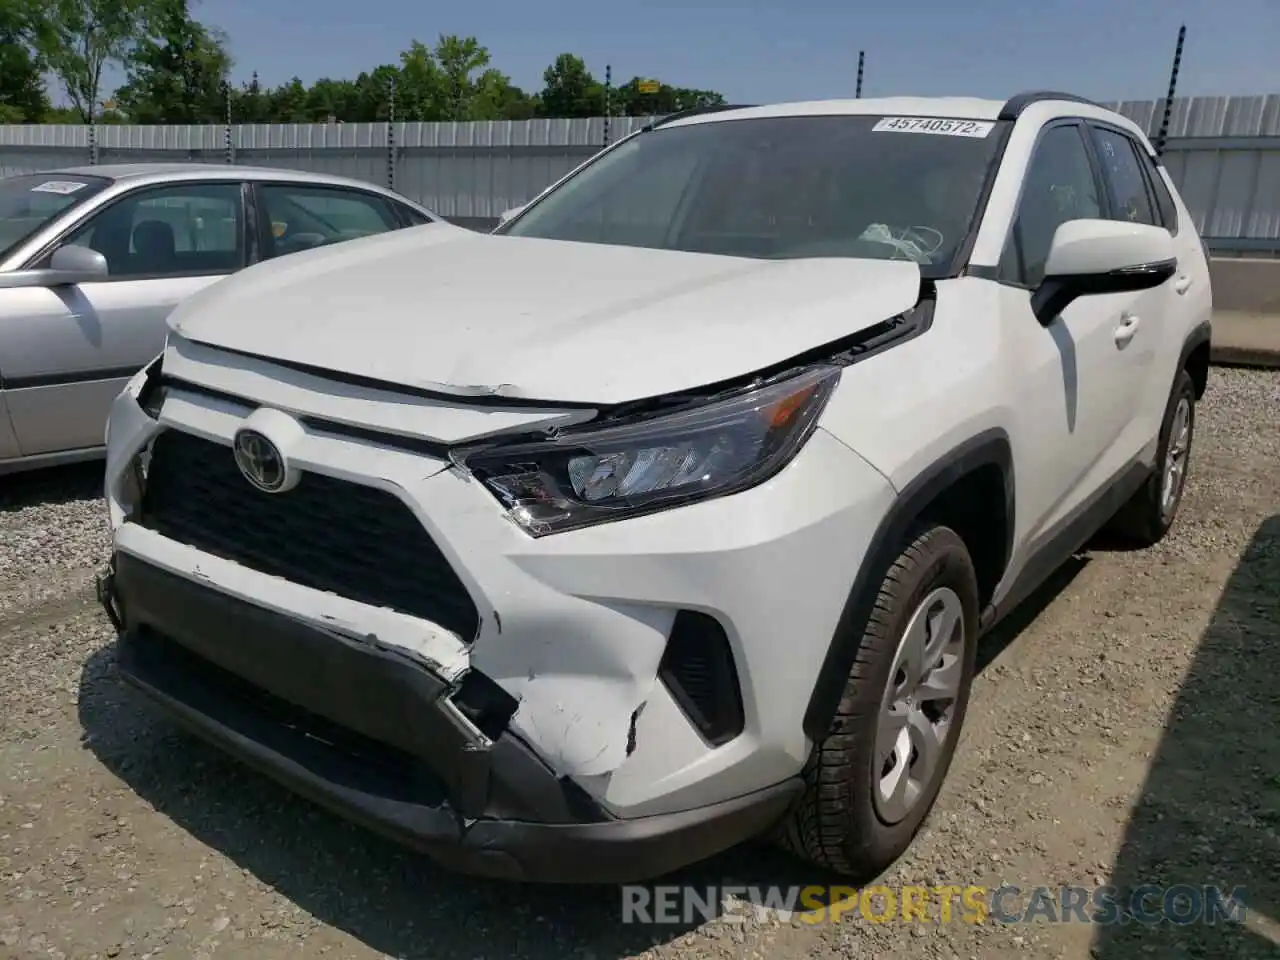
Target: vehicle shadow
[(1209, 812), (51, 486), (394, 900)]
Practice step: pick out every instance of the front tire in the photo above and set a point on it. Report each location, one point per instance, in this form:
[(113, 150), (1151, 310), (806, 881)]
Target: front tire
[(1149, 514), (873, 779)]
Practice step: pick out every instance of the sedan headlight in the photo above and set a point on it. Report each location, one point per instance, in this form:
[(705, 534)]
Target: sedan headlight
[(594, 476)]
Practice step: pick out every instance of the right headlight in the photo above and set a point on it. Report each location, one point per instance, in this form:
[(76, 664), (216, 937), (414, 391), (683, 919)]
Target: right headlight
[(594, 476)]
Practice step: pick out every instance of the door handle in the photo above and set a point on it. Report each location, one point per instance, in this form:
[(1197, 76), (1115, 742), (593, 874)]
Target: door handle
[(1182, 284), (1128, 327)]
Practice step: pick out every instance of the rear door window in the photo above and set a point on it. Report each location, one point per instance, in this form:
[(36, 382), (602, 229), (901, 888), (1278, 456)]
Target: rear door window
[(1126, 185), (303, 216)]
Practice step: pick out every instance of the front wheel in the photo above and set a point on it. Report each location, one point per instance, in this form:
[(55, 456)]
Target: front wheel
[(874, 777)]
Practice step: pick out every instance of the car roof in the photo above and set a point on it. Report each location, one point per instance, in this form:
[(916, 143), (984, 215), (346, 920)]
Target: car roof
[(205, 171), (969, 108), (1042, 105), (966, 108)]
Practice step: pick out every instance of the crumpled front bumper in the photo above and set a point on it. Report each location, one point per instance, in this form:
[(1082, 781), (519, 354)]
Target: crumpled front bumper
[(370, 733)]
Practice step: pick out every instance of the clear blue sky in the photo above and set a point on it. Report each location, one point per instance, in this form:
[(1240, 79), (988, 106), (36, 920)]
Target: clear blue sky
[(755, 51)]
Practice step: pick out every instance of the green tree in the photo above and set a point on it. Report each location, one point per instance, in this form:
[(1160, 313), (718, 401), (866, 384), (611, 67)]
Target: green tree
[(458, 58), (373, 96), (630, 101), (177, 67), (569, 89), (80, 38), (441, 83), (497, 98), (249, 103), (287, 103), (22, 94), (420, 86), (177, 70), (331, 98)]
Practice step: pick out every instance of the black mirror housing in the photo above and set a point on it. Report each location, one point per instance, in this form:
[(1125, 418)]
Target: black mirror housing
[(1056, 293)]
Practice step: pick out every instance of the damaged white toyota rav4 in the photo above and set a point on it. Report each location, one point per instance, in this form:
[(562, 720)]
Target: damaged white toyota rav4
[(669, 514)]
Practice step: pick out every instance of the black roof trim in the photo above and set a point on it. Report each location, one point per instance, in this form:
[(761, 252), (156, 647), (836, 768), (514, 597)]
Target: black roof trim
[(695, 111), (1014, 106)]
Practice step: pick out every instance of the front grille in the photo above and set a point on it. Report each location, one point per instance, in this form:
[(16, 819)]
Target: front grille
[(345, 538)]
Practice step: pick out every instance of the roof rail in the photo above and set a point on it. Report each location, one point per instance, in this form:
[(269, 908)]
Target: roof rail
[(695, 111), (1014, 106)]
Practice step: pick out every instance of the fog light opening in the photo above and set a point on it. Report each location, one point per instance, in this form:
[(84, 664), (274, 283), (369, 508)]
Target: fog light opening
[(484, 704), (699, 671)]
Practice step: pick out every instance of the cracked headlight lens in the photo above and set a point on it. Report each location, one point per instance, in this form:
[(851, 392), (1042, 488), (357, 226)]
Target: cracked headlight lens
[(587, 477)]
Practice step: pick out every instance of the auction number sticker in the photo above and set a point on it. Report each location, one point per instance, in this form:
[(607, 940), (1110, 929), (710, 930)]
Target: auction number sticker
[(940, 126), (64, 187)]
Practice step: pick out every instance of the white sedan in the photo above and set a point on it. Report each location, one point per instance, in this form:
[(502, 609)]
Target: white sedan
[(93, 259)]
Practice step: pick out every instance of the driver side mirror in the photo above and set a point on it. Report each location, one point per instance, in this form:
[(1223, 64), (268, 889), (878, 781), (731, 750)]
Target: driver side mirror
[(1090, 257), (68, 265), (76, 264)]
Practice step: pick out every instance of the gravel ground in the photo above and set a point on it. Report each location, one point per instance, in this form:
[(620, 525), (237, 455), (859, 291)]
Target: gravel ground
[(1124, 731)]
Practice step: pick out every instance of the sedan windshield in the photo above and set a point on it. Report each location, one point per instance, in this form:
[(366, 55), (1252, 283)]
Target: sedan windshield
[(28, 202), (782, 188)]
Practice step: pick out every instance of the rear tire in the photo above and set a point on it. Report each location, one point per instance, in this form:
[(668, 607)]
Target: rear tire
[(873, 779), (1148, 515)]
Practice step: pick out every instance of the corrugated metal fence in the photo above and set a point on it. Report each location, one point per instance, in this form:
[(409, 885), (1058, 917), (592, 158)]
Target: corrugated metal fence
[(1224, 153), (468, 172)]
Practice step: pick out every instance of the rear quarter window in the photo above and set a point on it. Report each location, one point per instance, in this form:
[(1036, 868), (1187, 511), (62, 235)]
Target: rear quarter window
[(1164, 199), (1166, 211), (411, 216)]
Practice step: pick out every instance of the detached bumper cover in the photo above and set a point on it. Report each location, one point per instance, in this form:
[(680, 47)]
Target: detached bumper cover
[(371, 734)]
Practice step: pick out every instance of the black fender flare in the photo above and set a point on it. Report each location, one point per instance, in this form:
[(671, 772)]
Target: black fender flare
[(988, 448), (1201, 336)]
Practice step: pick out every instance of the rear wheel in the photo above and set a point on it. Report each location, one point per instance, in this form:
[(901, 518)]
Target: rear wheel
[(873, 779), (1149, 514)]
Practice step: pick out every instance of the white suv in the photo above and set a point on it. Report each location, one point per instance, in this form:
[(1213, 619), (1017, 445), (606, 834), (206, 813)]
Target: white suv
[(669, 514)]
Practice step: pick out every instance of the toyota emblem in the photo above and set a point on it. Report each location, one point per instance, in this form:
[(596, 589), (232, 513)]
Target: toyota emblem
[(260, 461)]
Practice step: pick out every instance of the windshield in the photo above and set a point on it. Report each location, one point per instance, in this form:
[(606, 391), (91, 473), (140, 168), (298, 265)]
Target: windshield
[(28, 202), (781, 188)]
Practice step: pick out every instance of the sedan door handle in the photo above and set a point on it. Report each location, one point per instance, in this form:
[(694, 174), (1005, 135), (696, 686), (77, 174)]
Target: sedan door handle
[(1128, 327), (1182, 284)]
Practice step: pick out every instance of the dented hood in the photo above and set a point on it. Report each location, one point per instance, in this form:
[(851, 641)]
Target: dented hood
[(445, 309)]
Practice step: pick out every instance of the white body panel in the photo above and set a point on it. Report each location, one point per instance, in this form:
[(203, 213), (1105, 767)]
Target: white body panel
[(591, 609), (574, 624), (67, 350), (561, 306)]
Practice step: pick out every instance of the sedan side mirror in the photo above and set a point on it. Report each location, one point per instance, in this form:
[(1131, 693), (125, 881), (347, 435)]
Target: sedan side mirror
[(76, 264), (1090, 257), (68, 265)]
